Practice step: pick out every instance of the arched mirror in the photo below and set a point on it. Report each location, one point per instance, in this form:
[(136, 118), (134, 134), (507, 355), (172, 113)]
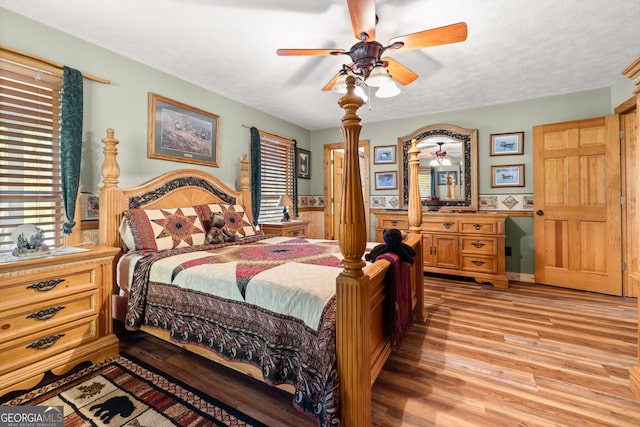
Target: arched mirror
[(448, 167)]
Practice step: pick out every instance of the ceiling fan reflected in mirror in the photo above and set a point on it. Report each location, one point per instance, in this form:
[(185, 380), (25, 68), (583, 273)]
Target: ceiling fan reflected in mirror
[(368, 65)]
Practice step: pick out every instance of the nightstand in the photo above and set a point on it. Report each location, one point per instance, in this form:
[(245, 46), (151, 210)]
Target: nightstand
[(293, 228), (56, 313)]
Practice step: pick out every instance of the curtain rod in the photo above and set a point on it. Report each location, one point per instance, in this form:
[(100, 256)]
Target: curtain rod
[(51, 63), (269, 133)]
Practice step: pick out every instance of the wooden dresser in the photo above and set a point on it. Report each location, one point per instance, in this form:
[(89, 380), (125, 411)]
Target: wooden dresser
[(293, 228), (461, 244), (55, 313)]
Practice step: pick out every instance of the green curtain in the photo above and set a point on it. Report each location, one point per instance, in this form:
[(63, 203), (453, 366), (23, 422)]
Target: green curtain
[(295, 177), (70, 142), (256, 174)]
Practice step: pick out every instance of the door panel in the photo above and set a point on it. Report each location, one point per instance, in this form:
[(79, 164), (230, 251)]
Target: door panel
[(577, 226), (338, 168)]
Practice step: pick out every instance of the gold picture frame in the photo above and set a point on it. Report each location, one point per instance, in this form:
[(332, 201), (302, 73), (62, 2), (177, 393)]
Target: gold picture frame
[(181, 133)]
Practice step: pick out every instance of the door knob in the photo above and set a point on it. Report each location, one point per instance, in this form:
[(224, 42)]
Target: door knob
[(539, 212)]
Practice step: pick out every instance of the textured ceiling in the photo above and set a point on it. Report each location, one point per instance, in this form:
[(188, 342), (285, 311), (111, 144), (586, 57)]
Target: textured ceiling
[(516, 49)]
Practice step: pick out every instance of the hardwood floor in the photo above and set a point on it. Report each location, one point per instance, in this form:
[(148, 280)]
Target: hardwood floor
[(529, 355)]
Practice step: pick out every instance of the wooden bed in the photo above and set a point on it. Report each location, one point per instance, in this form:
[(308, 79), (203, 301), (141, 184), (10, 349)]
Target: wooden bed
[(362, 341)]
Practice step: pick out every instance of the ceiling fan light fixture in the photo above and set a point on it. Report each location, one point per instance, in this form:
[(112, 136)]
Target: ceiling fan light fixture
[(389, 90), (378, 77), (359, 90)]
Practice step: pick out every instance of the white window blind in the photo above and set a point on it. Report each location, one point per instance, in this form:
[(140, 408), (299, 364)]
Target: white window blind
[(277, 175), (30, 187), (424, 181)]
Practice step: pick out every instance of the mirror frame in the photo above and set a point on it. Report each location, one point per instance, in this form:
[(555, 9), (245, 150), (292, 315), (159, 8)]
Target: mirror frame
[(468, 137)]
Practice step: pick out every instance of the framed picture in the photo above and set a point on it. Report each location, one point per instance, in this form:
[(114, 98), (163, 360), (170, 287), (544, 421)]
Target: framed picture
[(89, 209), (181, 133), (507, 176), (386, 180), (386, 154), (442, 177), (506, 144), (304, 164)]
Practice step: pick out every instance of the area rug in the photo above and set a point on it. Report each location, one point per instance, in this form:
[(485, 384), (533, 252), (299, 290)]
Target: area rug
[(124, 391)]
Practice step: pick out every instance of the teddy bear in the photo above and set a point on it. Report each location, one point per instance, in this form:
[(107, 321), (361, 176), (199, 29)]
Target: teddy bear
[(392, 243), (219, 233)]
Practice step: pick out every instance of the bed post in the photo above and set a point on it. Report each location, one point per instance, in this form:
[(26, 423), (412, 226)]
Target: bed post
[(415, 222), (110, 195), (353, 332), (244, 186)]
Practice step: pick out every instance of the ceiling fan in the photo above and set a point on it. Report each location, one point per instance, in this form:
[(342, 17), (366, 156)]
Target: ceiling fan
[(368, 65)]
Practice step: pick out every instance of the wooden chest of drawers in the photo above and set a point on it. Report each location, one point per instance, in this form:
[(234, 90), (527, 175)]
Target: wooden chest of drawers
[(469, 244), (55, 313)]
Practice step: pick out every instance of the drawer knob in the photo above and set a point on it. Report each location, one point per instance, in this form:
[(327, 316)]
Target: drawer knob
[(394, 223), (295, 233), (477, 226), (46, 285), (45, 343), (45, 314), (447, 225), (478, 263), (478, 245)]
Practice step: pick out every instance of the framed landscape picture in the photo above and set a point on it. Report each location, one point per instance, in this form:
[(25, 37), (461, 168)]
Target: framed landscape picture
[(505, 144), (385, 154), (442, 177), (386, 180), (507, 176), (180, 133)]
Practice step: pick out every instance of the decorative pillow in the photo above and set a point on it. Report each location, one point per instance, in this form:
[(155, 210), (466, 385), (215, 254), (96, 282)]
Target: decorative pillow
[(159, 229), (235, 218)]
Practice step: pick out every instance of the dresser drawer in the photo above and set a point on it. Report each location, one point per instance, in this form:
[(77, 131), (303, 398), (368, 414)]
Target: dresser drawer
[(441, 225), (23, 321), (41, 287), (479, 245), (296, 232), (27, 350), (480, 226), (479, 263), (399, 223)]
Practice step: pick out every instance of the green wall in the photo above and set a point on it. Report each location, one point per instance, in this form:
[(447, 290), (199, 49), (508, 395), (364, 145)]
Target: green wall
[(122, 105)]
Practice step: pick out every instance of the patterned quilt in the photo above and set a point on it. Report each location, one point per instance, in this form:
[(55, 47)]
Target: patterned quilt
[(269, 302)]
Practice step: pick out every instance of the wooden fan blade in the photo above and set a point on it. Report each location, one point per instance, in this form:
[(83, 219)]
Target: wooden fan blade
[(399, 72), (309, 52), (453, 33), (332, 82), (363, 18)]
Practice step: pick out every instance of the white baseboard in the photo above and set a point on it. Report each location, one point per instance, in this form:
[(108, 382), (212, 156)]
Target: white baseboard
[(521, 277)]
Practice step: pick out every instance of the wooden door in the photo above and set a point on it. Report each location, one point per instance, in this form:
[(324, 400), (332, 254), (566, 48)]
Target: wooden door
[(630, 172), (577, 214), (333, 170), (338, 171)]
